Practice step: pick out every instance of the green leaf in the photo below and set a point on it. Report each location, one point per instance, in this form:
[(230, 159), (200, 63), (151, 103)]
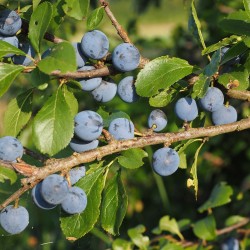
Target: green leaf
[(6, 48), (193, 171), (172, 246), (77, 9), (240, 74), (78, 225), (170, 225), (7, 174), (35, 3), (161, 73), (183, 160), (220, 196), (132, 158), (200, 86), (213, 65), (195, 25), (237, 22), (234, 219), (58, 16), (53, 125), (246, 5), (120, 244), (39, 23), (71, 100), (18, 113), (8, 73), (205, 229), (61, 58), (114, 205), (137, 238), (234, 51), (163, 98), (95, 18), (224, 42)]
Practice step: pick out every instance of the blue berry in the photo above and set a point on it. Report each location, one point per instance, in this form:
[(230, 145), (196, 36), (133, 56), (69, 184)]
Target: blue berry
[(230, 244), (13, 40), (54, 189), (121, 129), (186, 109), (165, 161), (106, 91), (10, 148), (88, 125), (14, 220), (126, 89), (224, 115), (157, 117), (38, 199), (46, 53), (10, 22), (80, 58), (126, 57), (95, 44), (23, 60), (78, 145), (212, 100), (75, 174), (75, 202), (89, 84)]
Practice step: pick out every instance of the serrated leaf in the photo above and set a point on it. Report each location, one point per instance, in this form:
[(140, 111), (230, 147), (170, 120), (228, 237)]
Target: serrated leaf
[(6, 48), (193, 170), (120, 244), (220, 195), (77, 9), (71, 100), (39, 23), (170, 225), (114, 205), (205, 229), (8, 73), (163, 98), (53, 125), (237, 22), (95, 18), (224, 42), (200, 87), (18, 113), (78, 225), (132, 158), (136, 235), (161, 73), (194, 25), (7, 174), (240, 74), (61, 58)]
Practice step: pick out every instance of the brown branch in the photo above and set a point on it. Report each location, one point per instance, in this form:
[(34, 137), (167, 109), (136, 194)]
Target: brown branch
[(59, 165), (233, 227), (121, 32), (243, 95)]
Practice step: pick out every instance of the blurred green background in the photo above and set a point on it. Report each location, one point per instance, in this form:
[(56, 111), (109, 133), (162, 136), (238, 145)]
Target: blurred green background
[(157, 27)]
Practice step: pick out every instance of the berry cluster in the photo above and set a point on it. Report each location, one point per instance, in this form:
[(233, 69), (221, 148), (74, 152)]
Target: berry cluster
[(10, 24), (88, 125)]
